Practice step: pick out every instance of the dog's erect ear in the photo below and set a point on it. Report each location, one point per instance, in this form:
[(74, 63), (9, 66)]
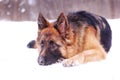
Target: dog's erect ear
[(42, 22), (62, 24)]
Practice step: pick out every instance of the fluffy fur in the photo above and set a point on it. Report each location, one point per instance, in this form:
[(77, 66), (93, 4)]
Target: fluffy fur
[(78, 37)]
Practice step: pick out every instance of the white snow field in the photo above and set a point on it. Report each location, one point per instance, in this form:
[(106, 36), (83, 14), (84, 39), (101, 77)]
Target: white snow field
[(17, 62)]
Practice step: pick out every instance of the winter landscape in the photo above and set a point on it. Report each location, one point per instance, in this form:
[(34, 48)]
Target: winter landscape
[(17, 62)]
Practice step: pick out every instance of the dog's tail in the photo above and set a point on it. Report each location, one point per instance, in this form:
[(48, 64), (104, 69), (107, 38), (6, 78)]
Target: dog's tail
[(100, 23), (106, 35)]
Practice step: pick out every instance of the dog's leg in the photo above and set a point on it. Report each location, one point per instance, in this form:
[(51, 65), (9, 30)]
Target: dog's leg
[(84, 57), (32, 44), (92, 50)]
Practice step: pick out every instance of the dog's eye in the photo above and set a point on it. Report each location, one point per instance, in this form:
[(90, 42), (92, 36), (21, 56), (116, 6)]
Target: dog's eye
[(42, 43), (51, 42), (52, 45)]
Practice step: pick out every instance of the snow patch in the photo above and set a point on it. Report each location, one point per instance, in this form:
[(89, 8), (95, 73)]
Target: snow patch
[(31, 2), (23, 10)]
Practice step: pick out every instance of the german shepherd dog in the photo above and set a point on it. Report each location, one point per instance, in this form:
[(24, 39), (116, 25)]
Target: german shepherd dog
[(78, 38)]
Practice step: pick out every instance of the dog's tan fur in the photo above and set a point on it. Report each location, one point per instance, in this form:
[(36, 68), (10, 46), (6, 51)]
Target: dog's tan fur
[(78, 44), (89, 50)]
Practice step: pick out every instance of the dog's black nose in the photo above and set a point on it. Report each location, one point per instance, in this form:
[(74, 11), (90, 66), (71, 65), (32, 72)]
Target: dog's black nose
[(41, 60)]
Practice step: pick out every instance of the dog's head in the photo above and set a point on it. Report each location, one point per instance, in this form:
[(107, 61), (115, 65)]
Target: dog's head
[(52, 39)]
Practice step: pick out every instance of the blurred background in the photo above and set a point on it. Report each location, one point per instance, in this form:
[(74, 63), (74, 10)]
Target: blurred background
[(28, 10)]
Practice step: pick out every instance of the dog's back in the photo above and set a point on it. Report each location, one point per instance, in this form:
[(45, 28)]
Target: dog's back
[(83, 18)]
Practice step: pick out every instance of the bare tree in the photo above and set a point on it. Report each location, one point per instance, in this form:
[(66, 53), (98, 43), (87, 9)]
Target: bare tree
[(29, 9)]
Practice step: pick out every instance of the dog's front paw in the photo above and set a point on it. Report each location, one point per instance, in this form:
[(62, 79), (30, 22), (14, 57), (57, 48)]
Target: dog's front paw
[(74, 61), (60, 60), (70, 63)]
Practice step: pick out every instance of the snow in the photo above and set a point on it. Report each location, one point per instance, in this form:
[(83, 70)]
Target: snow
[(8, 13), (23, 10), (17, 62), (31, 2)]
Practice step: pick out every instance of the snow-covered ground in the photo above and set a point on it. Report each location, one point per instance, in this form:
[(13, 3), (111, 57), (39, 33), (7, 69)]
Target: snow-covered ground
[(17, 62)]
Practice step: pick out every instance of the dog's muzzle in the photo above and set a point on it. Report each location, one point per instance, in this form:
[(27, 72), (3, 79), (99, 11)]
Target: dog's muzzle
[(41, 60)]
